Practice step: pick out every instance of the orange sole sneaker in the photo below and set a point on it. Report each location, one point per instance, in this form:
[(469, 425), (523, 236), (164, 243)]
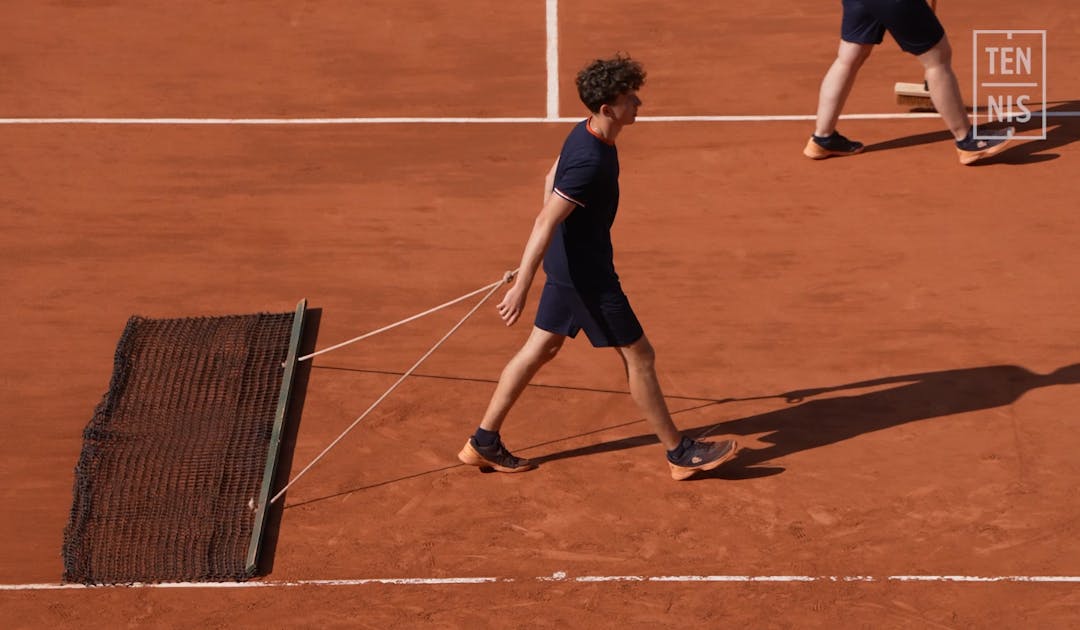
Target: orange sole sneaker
[(727, 448), (815, 151), (970, 157), (500, 460)]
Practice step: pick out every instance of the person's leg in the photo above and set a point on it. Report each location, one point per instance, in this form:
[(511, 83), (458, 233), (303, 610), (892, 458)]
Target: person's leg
[(837, 84), (685, 456), (945, 89), (945, 94), (918, 31), (835, 87), (639, 359), (539, 348), (485, 448)]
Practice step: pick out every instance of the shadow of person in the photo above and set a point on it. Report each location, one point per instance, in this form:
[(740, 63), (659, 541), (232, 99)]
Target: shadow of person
[(896, 400), (907, 398), (915, 140), (1062, 128)]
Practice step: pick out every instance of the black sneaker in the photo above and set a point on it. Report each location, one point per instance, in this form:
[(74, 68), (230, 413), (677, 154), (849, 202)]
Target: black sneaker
[(972, 150), (835, 145), (701, 456), (494, 457)]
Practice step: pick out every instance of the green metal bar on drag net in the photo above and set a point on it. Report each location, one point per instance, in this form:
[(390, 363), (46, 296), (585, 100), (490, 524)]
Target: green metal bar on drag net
[(263, 503)]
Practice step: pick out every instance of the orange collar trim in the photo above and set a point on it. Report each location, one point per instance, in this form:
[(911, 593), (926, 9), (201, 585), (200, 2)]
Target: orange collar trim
[(588, 126)]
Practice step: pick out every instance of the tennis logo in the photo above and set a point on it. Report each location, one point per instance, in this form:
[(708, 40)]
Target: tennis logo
[(1010, 78)]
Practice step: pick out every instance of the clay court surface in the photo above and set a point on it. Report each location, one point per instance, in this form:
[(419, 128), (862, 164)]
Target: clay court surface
[(892, 338)]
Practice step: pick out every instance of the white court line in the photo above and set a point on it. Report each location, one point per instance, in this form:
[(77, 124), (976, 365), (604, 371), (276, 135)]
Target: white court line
[(561, 576), (552, 27), (464, 120), (977, 578)]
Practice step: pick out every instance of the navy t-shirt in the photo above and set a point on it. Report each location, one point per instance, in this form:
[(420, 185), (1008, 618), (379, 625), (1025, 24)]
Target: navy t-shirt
[(580, 253)]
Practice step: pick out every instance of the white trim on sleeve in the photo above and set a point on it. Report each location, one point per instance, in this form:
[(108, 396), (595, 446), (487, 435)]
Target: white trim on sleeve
[(568, 197)]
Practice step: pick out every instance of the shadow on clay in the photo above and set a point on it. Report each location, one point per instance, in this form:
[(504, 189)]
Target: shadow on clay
[(1062, 129), (806, 424), (809, 424)]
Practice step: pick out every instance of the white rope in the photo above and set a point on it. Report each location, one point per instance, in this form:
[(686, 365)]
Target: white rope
[(493, 288), (409, 319)]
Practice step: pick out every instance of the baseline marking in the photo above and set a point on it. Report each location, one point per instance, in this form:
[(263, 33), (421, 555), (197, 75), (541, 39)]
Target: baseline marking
[(464, 120), (561, 576)]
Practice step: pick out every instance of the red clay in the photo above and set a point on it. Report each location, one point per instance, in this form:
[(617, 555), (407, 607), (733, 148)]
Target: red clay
[(890, 337)]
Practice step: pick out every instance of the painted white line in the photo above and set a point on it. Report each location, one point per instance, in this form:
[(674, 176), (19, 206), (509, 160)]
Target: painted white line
[(609, 578), (264, 584), (280, 121), (736, 578), (552, 22), (40, 587), (426, 121), (561, 576), (458, 120), (402, 581), (976, 578)]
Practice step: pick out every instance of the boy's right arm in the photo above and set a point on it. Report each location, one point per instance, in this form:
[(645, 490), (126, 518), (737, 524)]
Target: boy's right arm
[(554, 212)]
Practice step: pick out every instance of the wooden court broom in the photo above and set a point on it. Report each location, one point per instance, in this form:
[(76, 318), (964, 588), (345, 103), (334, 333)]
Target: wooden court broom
[(916, 95)]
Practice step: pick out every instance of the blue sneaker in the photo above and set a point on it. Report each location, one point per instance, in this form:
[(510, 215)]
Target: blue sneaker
[(835, 145), (972, 150), (699, 455), (494, 457)]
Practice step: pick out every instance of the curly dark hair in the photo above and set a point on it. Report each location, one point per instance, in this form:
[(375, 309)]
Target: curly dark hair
[(603, 80)]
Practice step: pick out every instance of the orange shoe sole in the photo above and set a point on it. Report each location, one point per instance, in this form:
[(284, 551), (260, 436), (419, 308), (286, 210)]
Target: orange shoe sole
[(678, 473), (815, 151), (470, 456), (970, 157)]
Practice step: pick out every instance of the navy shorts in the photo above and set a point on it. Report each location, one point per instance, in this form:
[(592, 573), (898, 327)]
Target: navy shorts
[(605, 316), (912, 23)]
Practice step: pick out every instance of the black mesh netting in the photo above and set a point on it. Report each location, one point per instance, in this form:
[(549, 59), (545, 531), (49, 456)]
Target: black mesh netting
[(173, 459)]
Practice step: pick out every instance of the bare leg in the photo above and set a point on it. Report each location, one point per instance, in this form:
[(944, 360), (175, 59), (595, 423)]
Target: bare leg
[(837, 84), (945, 89), (539, 348), (639, 359)]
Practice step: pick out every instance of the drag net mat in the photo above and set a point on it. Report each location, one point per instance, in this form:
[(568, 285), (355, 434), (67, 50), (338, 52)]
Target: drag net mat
[(174, 456)]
